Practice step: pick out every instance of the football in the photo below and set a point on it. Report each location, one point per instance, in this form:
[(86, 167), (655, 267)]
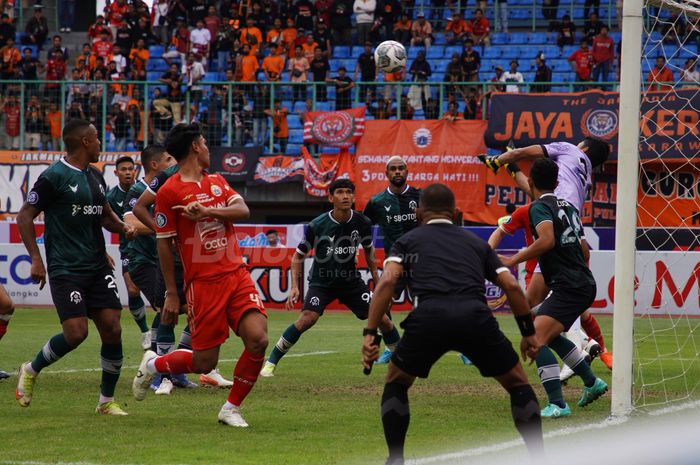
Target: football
[(390, 56)]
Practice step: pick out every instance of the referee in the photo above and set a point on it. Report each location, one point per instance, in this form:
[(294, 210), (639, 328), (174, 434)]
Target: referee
[(446, 267)]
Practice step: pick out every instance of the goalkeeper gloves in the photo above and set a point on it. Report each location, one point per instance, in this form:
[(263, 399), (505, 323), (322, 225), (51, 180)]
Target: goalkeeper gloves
[(512, 169), (491, 162)]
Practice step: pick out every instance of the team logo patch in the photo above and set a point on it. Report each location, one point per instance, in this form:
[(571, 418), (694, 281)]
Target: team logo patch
[(333, 127), (315, 301), (412, 205), (233, 162), (599, 123), (422, 137), (32, 198), (215, 190), (75, 297), (154, 183), (161, 220), (355, 236), (132, 202)]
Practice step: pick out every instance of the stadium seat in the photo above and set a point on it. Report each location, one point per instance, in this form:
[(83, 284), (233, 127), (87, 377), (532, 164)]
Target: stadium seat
[(357, 50), (450, 49), (436, 51), (294, 121), (517, 38), (538, 38), (211, 76), (499, 38), (341, 51), (156, 51)]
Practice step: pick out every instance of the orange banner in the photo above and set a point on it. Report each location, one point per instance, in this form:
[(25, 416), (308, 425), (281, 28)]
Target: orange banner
[(436, 151), (317, 179)]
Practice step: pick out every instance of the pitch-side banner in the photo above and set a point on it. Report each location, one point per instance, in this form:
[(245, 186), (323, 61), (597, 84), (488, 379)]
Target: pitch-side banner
[(669, 122), (279, 169), (235, 164), (436, 151), (334, 128), (317, 178)]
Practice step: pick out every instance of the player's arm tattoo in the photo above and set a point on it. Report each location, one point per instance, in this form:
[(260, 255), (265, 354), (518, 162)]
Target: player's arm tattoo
[(526, 153)]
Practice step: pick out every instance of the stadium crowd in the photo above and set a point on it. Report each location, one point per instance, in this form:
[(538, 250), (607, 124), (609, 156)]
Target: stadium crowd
[(181, 47)]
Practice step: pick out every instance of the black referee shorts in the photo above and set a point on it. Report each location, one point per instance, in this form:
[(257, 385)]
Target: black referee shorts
[(160, 285), (75, 296), (566, 305), (356, 298), (440, 325), (145, 276)]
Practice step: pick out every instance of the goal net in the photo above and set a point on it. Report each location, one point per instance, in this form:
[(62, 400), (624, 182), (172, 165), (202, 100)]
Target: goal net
[(665, 332)]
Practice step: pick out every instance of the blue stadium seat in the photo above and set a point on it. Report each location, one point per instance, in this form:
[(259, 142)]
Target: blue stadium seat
[(517, 38), (211, 76), (436, 51), (413, 52), (492, 52), (296, 136), (499, 38), (294, 149), (294, 121), (538, 38), (323, 106), (439, 38), (357, 50), (156, 51), (157, 65), (450, 49), (341, 51)]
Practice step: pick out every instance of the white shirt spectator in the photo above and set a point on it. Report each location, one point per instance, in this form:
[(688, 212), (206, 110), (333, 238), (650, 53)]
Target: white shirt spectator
[(512, 77), (690, 76), (364, 10), (120, 60), (193, 73), (200, 38)]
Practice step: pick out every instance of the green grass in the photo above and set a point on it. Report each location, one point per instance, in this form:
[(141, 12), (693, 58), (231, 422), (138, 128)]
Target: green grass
[(318, 409)]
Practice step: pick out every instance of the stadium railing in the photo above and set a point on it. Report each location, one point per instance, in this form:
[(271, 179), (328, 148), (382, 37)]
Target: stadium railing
[(232, 112)]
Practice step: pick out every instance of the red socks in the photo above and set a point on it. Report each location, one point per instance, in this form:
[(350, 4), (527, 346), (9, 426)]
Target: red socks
[(3, 328), (176, 362), (591, 327), (244, 376)]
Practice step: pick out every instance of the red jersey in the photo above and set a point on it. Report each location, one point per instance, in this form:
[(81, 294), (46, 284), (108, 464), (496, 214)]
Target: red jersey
[(520, 219), (479, 28), (208, 247), (603, 49), (11, 119), (103, 49), (584, 62), (116, 14)]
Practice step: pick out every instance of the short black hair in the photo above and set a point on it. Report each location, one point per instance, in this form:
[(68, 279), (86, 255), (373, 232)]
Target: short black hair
[(544, 174), (124, 159), (72, 131), (598, 150), (437, 198), (150, 153), (180, 139), (271, 231), (341, 184), (510, 208)]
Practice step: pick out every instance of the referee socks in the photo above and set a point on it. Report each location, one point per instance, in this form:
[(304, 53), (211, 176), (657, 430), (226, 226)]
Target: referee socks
[(395, 418), (526, 416)]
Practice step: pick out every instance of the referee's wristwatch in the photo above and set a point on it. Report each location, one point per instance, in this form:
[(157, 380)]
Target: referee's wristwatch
[(369, 331)]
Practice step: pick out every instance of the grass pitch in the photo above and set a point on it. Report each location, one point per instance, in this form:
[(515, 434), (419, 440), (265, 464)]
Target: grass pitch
[(318, 409)]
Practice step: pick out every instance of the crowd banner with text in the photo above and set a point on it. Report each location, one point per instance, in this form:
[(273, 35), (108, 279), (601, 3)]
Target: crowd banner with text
[(436, 151), (235, 164), (669, 123), (334, 128), (279, 169), (318, 178)]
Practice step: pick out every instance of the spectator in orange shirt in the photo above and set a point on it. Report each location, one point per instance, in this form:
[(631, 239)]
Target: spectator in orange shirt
[(10, 57), (452, 114), (457, 30), (53, 121), (660, 74), (389, 89), (421, 31), (289, 36), (309, 47), (402, 30), (251, 35), (249, 66), (139, 59), (280, 127), (275, 37), (117, 15), (273, 65), (582, 62), (480, 30)]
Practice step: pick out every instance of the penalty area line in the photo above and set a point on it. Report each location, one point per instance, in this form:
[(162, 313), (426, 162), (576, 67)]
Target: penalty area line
[(127, 367)]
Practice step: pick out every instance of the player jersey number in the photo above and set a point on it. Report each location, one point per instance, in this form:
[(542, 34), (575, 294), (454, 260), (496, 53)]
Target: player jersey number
[(112, 284), (572, 233)]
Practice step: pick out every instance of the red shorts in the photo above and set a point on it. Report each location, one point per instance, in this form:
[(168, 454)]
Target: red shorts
[(215, 306)]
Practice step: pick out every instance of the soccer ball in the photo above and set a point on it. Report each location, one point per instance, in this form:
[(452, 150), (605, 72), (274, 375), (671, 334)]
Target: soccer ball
[(390, 56)]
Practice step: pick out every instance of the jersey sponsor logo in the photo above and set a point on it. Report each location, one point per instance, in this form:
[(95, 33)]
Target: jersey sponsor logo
[(401, 218), (76, 297), (161, 220), (599, 123), (87, 209), (233, 162), (387, 207), (132, 202), (215, 190), (315, 301), (218, 243), (32, 198), (333, 127), (422, 137), (350, 249), (74, 189), (210, 229)]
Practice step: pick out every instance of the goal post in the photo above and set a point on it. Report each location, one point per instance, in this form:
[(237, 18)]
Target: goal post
[(626, 214)]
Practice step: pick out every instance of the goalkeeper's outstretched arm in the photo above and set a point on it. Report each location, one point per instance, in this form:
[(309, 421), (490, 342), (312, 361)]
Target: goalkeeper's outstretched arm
[(530, 152)]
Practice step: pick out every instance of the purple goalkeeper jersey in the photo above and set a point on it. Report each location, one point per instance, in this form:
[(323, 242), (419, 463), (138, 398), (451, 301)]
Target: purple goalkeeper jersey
[(574, 172)]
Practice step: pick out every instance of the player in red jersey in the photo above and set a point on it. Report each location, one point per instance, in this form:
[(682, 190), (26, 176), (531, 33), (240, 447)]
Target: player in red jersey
[(198, 209)]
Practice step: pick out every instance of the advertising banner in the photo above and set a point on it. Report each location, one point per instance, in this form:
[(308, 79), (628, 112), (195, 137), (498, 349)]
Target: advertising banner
[(235, 164), (669, 122), (435, 151), (279, 169), (334, 128)]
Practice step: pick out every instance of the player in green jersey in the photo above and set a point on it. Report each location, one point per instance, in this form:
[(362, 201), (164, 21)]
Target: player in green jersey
[(71, 193), (335, 238), (557, 231), (124, 170)]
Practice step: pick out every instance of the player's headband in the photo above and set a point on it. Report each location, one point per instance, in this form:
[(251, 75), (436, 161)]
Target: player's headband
[(395, 158)]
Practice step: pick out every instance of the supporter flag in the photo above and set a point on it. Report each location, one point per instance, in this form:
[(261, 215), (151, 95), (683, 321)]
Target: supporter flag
[(317, 179), (235, 164), (334, 128), (279, 169)]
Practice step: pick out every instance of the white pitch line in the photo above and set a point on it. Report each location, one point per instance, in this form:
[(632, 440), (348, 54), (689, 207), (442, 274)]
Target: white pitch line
[(127, 367), (33, 462)]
